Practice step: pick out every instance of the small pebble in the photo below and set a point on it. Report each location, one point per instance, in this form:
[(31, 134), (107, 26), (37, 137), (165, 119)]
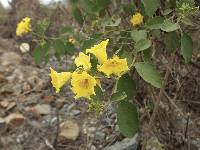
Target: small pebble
[(93, 147), (91, 129)]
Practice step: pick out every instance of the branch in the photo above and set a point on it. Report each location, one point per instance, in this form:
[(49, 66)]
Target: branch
[(161, 93)]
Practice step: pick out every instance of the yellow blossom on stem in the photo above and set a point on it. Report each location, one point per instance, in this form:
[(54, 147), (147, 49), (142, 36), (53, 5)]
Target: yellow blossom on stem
[(59, 79), (99, 51), (83, 84), (72, 40), (24, 26), (83, 60), (137, 19), (115, 66)]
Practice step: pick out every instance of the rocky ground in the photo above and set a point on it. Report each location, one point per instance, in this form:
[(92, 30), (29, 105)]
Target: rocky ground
[(29, 104), (28, 116)]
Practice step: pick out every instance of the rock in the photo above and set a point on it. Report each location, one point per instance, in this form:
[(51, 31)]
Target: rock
[(93, 147), (61, 103), (100, 136), (7, 88), (11, 105), (126, 144), (48, 99), (15, 119), (69, 108), (153, 144), (24, 47), (3, 125), (69, 130), (91, 129), (75, 112), (10, 58), (37, 83), (4, 103), (42, 109), (2, 78), (22, 137)]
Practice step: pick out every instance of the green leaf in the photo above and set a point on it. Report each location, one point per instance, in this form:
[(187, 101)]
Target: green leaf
[(62, 47), (148, 72), (118, 96), (156, 33), (187, 21), (40, 53), (169, 26), (150, 6), (90, 42), (77, 14), (126, 84), (186, 47), (111, 23), (89, 6), (155, 23), (147, 55), (59, 47), (41, 26), (143, 45), (127, 119), (66, 30), (171, 41), (138, 35), (167, 11), (173, 3), (127, 55), (99, 94), (69, 48), (102, 4), (129, 8), (74, 1)]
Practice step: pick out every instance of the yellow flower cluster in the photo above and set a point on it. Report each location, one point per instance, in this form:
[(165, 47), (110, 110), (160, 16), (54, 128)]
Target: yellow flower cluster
[(82, 83), (137, 19), (24, 26)]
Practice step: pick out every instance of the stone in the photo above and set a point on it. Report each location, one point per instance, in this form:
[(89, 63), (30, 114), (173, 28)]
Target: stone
[(15, 119), (4, 103), (42, 109), (75, 112), (37, 83), (61, 103), (2, 78), (126, 144), (10, 58), (24, 47), (91, 129), (11, 105), (93, 147), (3, 125), (100, 136), (69, 130), (48, 99)]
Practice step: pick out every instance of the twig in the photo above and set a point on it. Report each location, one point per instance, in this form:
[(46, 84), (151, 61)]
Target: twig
[(161, 93), (186, 136), (57, 128), (172, 102)]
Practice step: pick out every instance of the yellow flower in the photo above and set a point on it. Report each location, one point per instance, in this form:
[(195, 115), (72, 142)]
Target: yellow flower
[(114, 66), (137, 19), (83, 60), (83, 84), (24, 26), (72, 40), (59, 79), (99, 51)]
